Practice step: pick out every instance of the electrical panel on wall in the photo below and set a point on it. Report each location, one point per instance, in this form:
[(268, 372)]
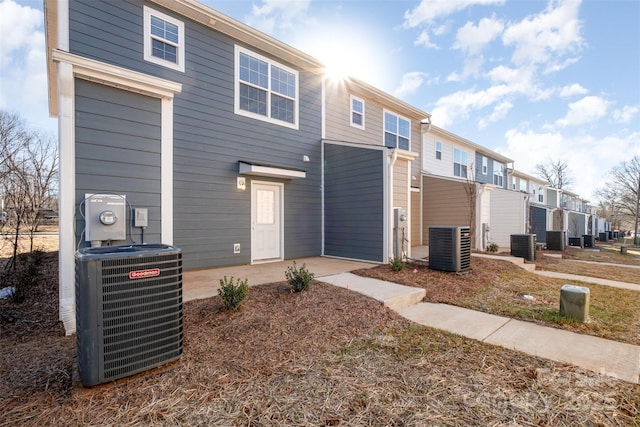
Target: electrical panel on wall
[(105, 217)]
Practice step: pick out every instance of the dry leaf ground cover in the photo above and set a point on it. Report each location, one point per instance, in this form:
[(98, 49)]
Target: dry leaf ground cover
[(499, 287), (323, 357), (595, 267)]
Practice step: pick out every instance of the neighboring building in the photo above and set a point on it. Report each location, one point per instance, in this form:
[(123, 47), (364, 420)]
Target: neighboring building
[(369, 145), (455, 171)]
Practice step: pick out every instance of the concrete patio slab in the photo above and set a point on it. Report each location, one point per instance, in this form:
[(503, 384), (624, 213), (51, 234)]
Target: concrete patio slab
[(198, 284)]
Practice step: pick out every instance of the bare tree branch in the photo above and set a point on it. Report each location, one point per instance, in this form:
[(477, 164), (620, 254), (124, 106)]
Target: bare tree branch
[(556, 174)]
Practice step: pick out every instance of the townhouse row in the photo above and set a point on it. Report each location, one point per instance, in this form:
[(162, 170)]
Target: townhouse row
[(238, 149)]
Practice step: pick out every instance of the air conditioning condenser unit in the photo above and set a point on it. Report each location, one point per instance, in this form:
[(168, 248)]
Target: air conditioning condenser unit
[(450, 248), (128, 310)]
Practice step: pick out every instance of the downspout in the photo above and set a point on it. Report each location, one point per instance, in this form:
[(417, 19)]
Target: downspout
[(390, 239)]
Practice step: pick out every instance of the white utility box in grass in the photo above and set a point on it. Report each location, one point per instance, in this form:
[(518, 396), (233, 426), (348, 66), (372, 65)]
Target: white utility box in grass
[(574, 302)]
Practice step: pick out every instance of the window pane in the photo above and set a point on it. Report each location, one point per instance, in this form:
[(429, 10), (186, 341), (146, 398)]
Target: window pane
[(403, 127), (390, 123), (356, 119), (253, 99), (439, 155), (389, 140), (253, 71), (164, 29), (357, 106), (163, 50), (403, 143), (283, 82), (282, 108)]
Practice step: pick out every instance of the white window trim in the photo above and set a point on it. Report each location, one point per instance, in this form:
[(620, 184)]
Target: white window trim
[(485, 167), (147, 12), (384, 131), (271, 62), (439, 151), (351, 99), (501, 176)]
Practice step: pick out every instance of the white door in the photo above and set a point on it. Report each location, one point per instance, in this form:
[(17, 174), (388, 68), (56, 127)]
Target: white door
[(266, 221)]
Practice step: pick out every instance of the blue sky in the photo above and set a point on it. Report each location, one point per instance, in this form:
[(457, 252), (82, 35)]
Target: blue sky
[(534, 80)]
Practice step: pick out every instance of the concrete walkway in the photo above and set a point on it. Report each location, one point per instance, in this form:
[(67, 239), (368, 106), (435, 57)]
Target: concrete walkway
[(618, 360)]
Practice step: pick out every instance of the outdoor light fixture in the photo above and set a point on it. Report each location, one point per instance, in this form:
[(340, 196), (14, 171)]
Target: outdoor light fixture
[(241, 183), (305, 159)]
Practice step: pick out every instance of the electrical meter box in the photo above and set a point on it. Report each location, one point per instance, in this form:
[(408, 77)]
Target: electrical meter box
[(105, 217), (399, 218)]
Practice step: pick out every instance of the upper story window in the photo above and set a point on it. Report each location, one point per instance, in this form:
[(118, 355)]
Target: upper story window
[(265, 89), (523, 185), (163, 39), (357, 112), (498, 173), (459, 163), (438, 150), (397, 131), (541, 198), (485, 167)]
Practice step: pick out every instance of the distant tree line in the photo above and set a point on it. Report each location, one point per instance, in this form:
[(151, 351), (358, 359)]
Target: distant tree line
[(28, 178)]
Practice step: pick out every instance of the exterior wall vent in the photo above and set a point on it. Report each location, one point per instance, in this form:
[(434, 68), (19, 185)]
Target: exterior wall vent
[(128, 310), (450, 248), (524, 246)]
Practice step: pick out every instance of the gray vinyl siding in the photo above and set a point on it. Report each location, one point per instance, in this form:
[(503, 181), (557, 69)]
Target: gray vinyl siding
[(210, 214), (538, 218), (338, 120), (118, 152), (488, 178), (354, 202), (576, 226)]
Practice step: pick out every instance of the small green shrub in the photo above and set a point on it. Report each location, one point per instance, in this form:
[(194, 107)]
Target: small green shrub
[(233, 293), (396, 264), (492, 247), (299, 279)]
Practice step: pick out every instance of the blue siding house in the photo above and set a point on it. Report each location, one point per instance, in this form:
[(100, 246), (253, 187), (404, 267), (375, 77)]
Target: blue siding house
[(211, 126)]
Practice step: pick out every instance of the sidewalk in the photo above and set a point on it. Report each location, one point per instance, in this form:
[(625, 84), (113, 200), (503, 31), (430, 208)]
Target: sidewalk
[(618, 360)]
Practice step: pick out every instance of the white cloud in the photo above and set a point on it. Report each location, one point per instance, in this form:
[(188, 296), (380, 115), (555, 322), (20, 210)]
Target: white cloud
[(20, 28), (458, 105), (23, 63), (500, 111), (424, 40), (429, 10), (546, 37), (277, 14), (410, 83), (472, 39), (584, 153), (626, 114), (587, 110), (574, 89)]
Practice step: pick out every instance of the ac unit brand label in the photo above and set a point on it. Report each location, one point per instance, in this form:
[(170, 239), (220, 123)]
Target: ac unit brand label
[(142, 274)]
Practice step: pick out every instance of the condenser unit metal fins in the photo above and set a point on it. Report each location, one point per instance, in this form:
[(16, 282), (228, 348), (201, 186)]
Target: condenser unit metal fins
[(128, 310), (524, 246), (556, 240), (450, 248)]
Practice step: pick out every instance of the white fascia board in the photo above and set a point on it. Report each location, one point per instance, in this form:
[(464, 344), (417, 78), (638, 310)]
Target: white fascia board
[(112, 75)]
